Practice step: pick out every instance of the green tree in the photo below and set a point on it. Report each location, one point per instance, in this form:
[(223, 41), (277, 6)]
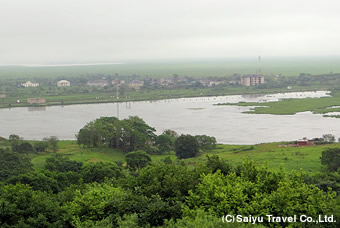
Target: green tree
[(14, 138), (40, 146), (25, 147), (186, 146), (137, 135), (164, 143), (88, 135), (98, 172), (15, 141), (329, 138), (171, 133), (97, 202), (61, 163), (259, 192), (206, 142), (37, 180), (12, 164), (23, 207), (52, 143), (160, 179), (128, 134), (331, 158), (137, 160), (214, 163)]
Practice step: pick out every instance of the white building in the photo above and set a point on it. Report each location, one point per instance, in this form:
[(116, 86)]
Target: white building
[(136, 84), (117, 82), (63, 83), (98, 83), (36, 100), (252, 80), (30, 84)]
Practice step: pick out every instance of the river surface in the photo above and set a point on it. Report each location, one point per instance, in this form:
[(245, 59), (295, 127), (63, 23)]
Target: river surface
[(193, 116)]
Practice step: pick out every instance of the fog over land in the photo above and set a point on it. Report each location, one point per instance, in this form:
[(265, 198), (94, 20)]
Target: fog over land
[(74, 31)]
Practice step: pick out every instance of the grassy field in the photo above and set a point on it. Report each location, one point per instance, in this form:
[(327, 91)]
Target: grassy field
[(74, 152), (271, 154), (292, 106), (288, 66)]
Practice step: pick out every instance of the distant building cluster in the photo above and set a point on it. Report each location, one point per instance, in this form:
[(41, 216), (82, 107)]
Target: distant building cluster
[(2, 95), (175, 81), (252, 80)]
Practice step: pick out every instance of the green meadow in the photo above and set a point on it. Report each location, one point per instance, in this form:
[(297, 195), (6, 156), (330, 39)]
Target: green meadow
[(292, 106), (270, 154)]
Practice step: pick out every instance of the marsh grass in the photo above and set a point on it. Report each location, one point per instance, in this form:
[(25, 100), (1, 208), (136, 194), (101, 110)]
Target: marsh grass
[(270, 154)]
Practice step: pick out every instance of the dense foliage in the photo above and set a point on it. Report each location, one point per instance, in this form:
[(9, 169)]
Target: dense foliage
[(145, 193), (331, 158), (158, 195), (137, 160), (12, 164), (186, 146), (128, 134)]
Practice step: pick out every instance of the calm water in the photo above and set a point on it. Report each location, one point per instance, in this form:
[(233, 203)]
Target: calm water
[(187, 115)]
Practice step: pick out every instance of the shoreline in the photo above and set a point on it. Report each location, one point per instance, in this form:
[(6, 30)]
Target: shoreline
[(64, 103)]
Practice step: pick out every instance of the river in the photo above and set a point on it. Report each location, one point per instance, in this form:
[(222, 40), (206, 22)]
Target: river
[(185, 115)]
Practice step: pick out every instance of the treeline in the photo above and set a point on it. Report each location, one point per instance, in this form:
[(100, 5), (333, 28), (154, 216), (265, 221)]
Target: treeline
[(139, 192), (19, 145), (72, 194), (133, 134)]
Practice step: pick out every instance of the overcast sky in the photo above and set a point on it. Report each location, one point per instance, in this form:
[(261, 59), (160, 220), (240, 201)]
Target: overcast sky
[(81, 31)]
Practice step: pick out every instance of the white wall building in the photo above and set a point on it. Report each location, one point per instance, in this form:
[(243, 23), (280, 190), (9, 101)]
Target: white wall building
[(252, 80), (63, 83), (30, 84)]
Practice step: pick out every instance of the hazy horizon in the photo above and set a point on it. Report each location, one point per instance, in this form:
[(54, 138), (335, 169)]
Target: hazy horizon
[(253, 59), (74, 31)]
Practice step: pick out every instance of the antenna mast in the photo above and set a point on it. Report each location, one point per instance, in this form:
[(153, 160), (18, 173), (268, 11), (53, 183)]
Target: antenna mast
[(260, 73)]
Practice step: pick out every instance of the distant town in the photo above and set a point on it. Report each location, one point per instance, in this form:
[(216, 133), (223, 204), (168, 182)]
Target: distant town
[(246, 80)]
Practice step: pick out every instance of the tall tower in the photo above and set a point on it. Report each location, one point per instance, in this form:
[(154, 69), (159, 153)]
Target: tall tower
[(260, 73)]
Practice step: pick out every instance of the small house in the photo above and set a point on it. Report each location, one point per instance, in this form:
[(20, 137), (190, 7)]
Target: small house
[(36, 100), (97, 83), (305, 142), (136, 84), (30, 84), (63, 83)]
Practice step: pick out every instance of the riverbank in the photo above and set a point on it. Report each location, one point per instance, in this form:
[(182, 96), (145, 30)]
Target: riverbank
[(186, 116), (141, 95)]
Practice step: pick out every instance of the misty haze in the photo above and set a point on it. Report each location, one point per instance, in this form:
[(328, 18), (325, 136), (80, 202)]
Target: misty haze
[(169, 113)]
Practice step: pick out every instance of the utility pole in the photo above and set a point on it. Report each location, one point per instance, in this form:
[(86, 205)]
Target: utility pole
[(118, 131), (260, 73)]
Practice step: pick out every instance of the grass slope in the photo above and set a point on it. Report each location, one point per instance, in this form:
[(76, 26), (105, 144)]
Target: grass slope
[(289, 158)]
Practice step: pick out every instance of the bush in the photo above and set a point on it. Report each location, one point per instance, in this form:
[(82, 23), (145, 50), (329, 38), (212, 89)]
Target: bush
[(186, 146), (137, 160), (331, 158)]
